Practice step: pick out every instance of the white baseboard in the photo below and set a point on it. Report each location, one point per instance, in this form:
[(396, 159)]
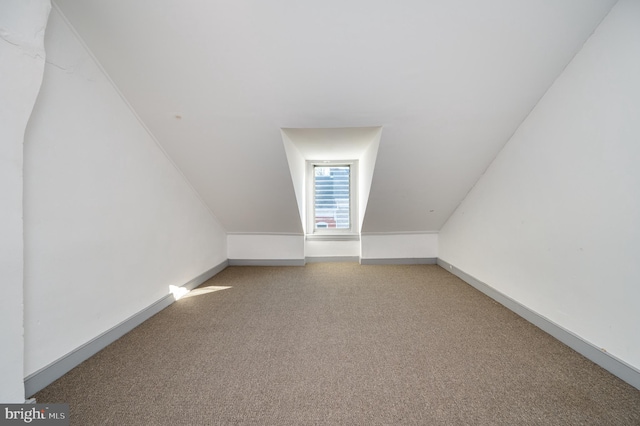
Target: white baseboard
[(400, 261), (605, 360), (322, 259), (47, 375), (266, 262)]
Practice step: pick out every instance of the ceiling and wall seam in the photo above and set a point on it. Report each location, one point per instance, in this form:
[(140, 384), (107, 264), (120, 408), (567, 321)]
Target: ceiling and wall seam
[(595, 28), (135, 114), (400, 233), (578, 50), (237, 73), (295, 234)]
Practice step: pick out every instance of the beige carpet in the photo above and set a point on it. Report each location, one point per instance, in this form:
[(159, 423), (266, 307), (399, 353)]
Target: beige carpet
[(340, 343)]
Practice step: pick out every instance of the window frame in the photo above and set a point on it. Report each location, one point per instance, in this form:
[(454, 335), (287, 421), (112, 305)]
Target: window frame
[(332, 233)]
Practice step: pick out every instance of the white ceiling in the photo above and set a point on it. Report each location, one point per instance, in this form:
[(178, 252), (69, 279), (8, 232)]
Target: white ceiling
[(449, 81)]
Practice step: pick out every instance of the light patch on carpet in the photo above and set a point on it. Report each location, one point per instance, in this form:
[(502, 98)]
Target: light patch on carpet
[(204, 290)]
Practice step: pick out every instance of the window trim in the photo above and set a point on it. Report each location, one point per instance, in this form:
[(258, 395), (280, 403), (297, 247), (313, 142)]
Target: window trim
[(328, 233)]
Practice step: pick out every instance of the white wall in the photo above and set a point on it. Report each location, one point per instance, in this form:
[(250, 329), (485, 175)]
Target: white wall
[(366, 168), (110, 223), (265, 247), (331, 248), (555, 221), (399, 246), (22, 58), (297, 168)]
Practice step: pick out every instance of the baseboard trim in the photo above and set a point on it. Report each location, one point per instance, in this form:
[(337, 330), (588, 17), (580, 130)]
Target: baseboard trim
[(615, 366), (48, 374), (266, 262), (399, 233), (400, 261), (323, 259)]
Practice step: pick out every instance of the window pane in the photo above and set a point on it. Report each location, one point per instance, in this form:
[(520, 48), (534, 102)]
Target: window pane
[(331, 203)]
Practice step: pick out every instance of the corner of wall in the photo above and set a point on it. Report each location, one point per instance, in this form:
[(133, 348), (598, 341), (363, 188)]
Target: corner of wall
[(22, 28)]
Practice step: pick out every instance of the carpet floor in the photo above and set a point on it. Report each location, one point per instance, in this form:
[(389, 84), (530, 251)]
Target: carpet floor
[(343, 344)]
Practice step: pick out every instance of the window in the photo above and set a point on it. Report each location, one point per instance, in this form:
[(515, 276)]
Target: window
[(332, 206)]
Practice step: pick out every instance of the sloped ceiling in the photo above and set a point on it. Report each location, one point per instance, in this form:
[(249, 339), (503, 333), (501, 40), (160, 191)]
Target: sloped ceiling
[(448, 80)]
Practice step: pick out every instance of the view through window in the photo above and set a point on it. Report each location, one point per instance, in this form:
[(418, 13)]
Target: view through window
[(332, 203)]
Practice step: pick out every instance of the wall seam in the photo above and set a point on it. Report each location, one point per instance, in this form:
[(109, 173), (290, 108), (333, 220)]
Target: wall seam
[(135, 114), (533, 108)]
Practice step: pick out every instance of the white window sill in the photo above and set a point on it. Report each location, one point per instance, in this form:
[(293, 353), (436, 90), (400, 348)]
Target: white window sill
[(332, 237)]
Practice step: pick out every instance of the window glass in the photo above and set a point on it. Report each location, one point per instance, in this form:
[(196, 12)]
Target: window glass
[(332, 206)]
